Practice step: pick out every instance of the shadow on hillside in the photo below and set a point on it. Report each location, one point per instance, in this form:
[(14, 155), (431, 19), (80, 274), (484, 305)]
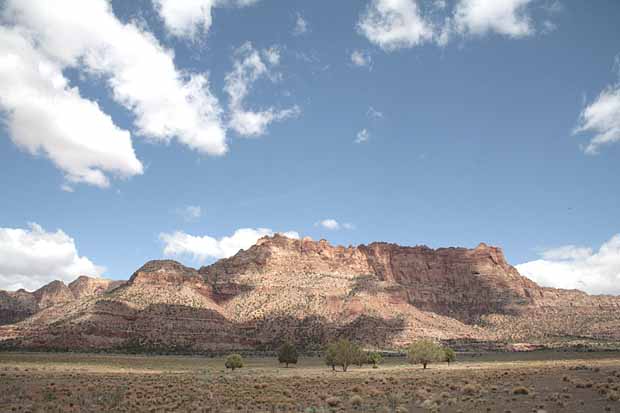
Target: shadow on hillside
[(179, 329)]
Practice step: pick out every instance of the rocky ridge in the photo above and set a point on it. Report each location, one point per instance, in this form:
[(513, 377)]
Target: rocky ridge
[(19, 305), (310, 292)]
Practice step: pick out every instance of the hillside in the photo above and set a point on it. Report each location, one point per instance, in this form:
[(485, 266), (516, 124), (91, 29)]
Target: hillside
[(19, 305), (309, 292)]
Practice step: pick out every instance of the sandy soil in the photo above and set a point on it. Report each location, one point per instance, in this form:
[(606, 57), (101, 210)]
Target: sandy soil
[(529, 382)]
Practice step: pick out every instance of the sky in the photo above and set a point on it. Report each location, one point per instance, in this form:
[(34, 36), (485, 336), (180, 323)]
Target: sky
[(188, 129)]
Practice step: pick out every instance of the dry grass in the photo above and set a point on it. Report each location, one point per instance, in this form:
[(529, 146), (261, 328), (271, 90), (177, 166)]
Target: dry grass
[(94, 383)]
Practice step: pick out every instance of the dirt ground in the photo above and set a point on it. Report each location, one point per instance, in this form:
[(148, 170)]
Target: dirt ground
[(527, 382)]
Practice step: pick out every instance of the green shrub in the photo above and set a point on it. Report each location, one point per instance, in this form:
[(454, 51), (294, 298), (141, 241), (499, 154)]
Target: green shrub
[(361, 357), (234, 361), (287, 354), (356, 401), (449, 355), (374, 358), (330, 356), (425, 352)]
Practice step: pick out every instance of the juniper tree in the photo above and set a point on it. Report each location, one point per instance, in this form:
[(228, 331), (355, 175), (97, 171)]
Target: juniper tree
[(425, 352)]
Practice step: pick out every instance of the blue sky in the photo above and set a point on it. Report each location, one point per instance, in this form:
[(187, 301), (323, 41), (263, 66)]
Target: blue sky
[(469, 124)]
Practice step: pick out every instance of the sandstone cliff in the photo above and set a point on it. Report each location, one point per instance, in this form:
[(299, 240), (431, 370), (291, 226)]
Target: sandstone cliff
[(310, 292), (19, 305)]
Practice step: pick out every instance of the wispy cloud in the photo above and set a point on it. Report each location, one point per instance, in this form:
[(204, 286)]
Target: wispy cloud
[(250, 65), (601, 119), (361, 59), (333, 225), (363, 136), (190, 213), (301, 26), (374, 113)]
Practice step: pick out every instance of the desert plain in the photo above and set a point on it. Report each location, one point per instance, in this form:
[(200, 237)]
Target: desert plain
[(541, 381)]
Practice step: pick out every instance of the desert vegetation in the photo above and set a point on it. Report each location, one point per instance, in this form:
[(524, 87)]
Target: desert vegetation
[(425, 352), (287, 354), (234, 361), (519, 383), (344, 353)]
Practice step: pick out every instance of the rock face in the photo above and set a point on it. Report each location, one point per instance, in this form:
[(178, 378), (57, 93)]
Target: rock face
[(456, 282), (383, 295), (19, 305), (84, 286)]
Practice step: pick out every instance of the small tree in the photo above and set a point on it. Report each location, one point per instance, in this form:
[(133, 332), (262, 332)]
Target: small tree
[(342, 353), (234, 361), (449, 355), (374, 358), (425, 352), (287, 354), (330, 356), (347, 353), (361, 357)]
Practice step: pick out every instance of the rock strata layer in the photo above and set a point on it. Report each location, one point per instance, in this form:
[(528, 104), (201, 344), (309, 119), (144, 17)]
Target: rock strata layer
[(309, 292)]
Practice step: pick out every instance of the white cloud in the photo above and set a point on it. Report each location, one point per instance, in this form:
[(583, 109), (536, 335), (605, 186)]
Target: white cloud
[(440, 4), (374, 113), (394, 24), (188, 18), (507, 17), (567, 252), (301, 26), (362, 136), (361, 59), (573, 267), (31, 258), (190, 213), (167, 103), (201, 248), (248, 67), (549, 27), (333, 225), (601, 118), (272, 55), (66, 188), (45, 115)]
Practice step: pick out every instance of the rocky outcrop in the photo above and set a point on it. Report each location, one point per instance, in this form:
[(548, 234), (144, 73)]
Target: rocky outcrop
[(84, 286), (16, 306), (457, 282), (310, 292), (19, 305)]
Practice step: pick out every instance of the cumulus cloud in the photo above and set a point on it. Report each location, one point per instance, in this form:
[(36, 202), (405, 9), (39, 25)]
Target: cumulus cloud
[(333, 225), (201, 248), (33, 257), (361, 59), (575, 267), (88, 37), (188, 18), (362, 136), (601, 119), (44, 115), (301, 26), (507, 17), (249, 66), (396, 24)]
